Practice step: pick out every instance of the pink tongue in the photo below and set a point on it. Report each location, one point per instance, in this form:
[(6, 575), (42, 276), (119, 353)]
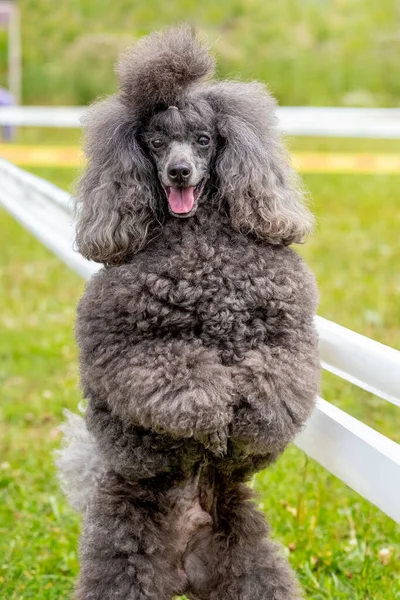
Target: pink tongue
[(181, 200)]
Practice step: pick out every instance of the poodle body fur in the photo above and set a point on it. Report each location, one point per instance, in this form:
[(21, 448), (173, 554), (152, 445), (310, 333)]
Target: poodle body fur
[(197, 345)]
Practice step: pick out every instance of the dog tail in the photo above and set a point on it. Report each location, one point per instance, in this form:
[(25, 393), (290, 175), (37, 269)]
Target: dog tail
[(79, 462), (160, 67)]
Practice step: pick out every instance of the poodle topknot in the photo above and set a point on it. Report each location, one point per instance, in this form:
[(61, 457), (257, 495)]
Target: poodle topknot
[(161, 68), (198, 351)]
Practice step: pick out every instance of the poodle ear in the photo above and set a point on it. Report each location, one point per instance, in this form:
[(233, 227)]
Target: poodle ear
[(254, 174), (116, 206)]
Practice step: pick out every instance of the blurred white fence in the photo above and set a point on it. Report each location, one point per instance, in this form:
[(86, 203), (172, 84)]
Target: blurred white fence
[(293, 120), (361, 457)]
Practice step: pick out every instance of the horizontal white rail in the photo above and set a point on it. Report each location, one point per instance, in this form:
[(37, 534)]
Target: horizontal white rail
[(364, 459), (41, 116), (293, 120), (340, 122), (45, 210), (366, 363)]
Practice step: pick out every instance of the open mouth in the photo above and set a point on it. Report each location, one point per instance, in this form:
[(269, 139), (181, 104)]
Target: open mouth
[(182, 200)]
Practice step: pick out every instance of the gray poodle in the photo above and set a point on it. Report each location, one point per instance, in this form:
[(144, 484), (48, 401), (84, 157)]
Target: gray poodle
[(198, 351)]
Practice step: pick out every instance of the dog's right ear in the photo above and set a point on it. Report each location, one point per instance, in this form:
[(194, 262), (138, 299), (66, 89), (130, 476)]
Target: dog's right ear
[(116, 200)]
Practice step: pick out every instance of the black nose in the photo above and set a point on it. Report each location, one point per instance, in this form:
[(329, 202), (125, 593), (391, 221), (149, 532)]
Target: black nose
[(179, 173)]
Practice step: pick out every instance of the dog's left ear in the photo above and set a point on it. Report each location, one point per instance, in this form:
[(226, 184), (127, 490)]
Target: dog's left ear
[(254, 173)]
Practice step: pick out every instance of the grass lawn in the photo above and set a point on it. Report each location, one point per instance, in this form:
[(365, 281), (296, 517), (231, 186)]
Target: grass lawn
[(334, 538)]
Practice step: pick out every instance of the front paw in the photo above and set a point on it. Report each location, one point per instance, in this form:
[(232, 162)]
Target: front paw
[(201, 413), (215, 441), (258, 432), (190, 394)]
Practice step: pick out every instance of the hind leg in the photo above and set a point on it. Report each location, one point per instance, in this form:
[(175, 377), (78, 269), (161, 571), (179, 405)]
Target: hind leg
[(235, 560), (125, 552)]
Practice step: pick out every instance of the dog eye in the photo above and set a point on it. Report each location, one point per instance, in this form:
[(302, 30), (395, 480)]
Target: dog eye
[(157, 143), (203, 140)]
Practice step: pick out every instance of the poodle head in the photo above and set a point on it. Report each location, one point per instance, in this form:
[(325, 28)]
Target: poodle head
[(182, 142), (170, 141)]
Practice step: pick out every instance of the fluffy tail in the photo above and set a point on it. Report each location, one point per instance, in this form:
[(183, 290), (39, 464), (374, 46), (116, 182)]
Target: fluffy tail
[(79, 463), (158, 68)]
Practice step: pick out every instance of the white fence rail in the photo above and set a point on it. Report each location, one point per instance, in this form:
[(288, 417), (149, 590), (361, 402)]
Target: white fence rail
[(361, 457), (293, 120)]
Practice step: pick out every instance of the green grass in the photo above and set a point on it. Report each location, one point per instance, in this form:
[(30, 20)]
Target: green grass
[(324, 52), (333, 536), (37, 379)]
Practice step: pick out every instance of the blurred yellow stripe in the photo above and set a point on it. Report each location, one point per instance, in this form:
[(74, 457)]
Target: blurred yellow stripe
[(42, 156), (305, 162), (312, 162)]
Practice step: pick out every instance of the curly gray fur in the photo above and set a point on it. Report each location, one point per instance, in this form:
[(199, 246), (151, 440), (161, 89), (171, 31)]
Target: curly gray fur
[(198, 351)]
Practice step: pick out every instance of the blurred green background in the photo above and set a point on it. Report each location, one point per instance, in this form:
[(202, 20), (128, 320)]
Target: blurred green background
[(315, 52)]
